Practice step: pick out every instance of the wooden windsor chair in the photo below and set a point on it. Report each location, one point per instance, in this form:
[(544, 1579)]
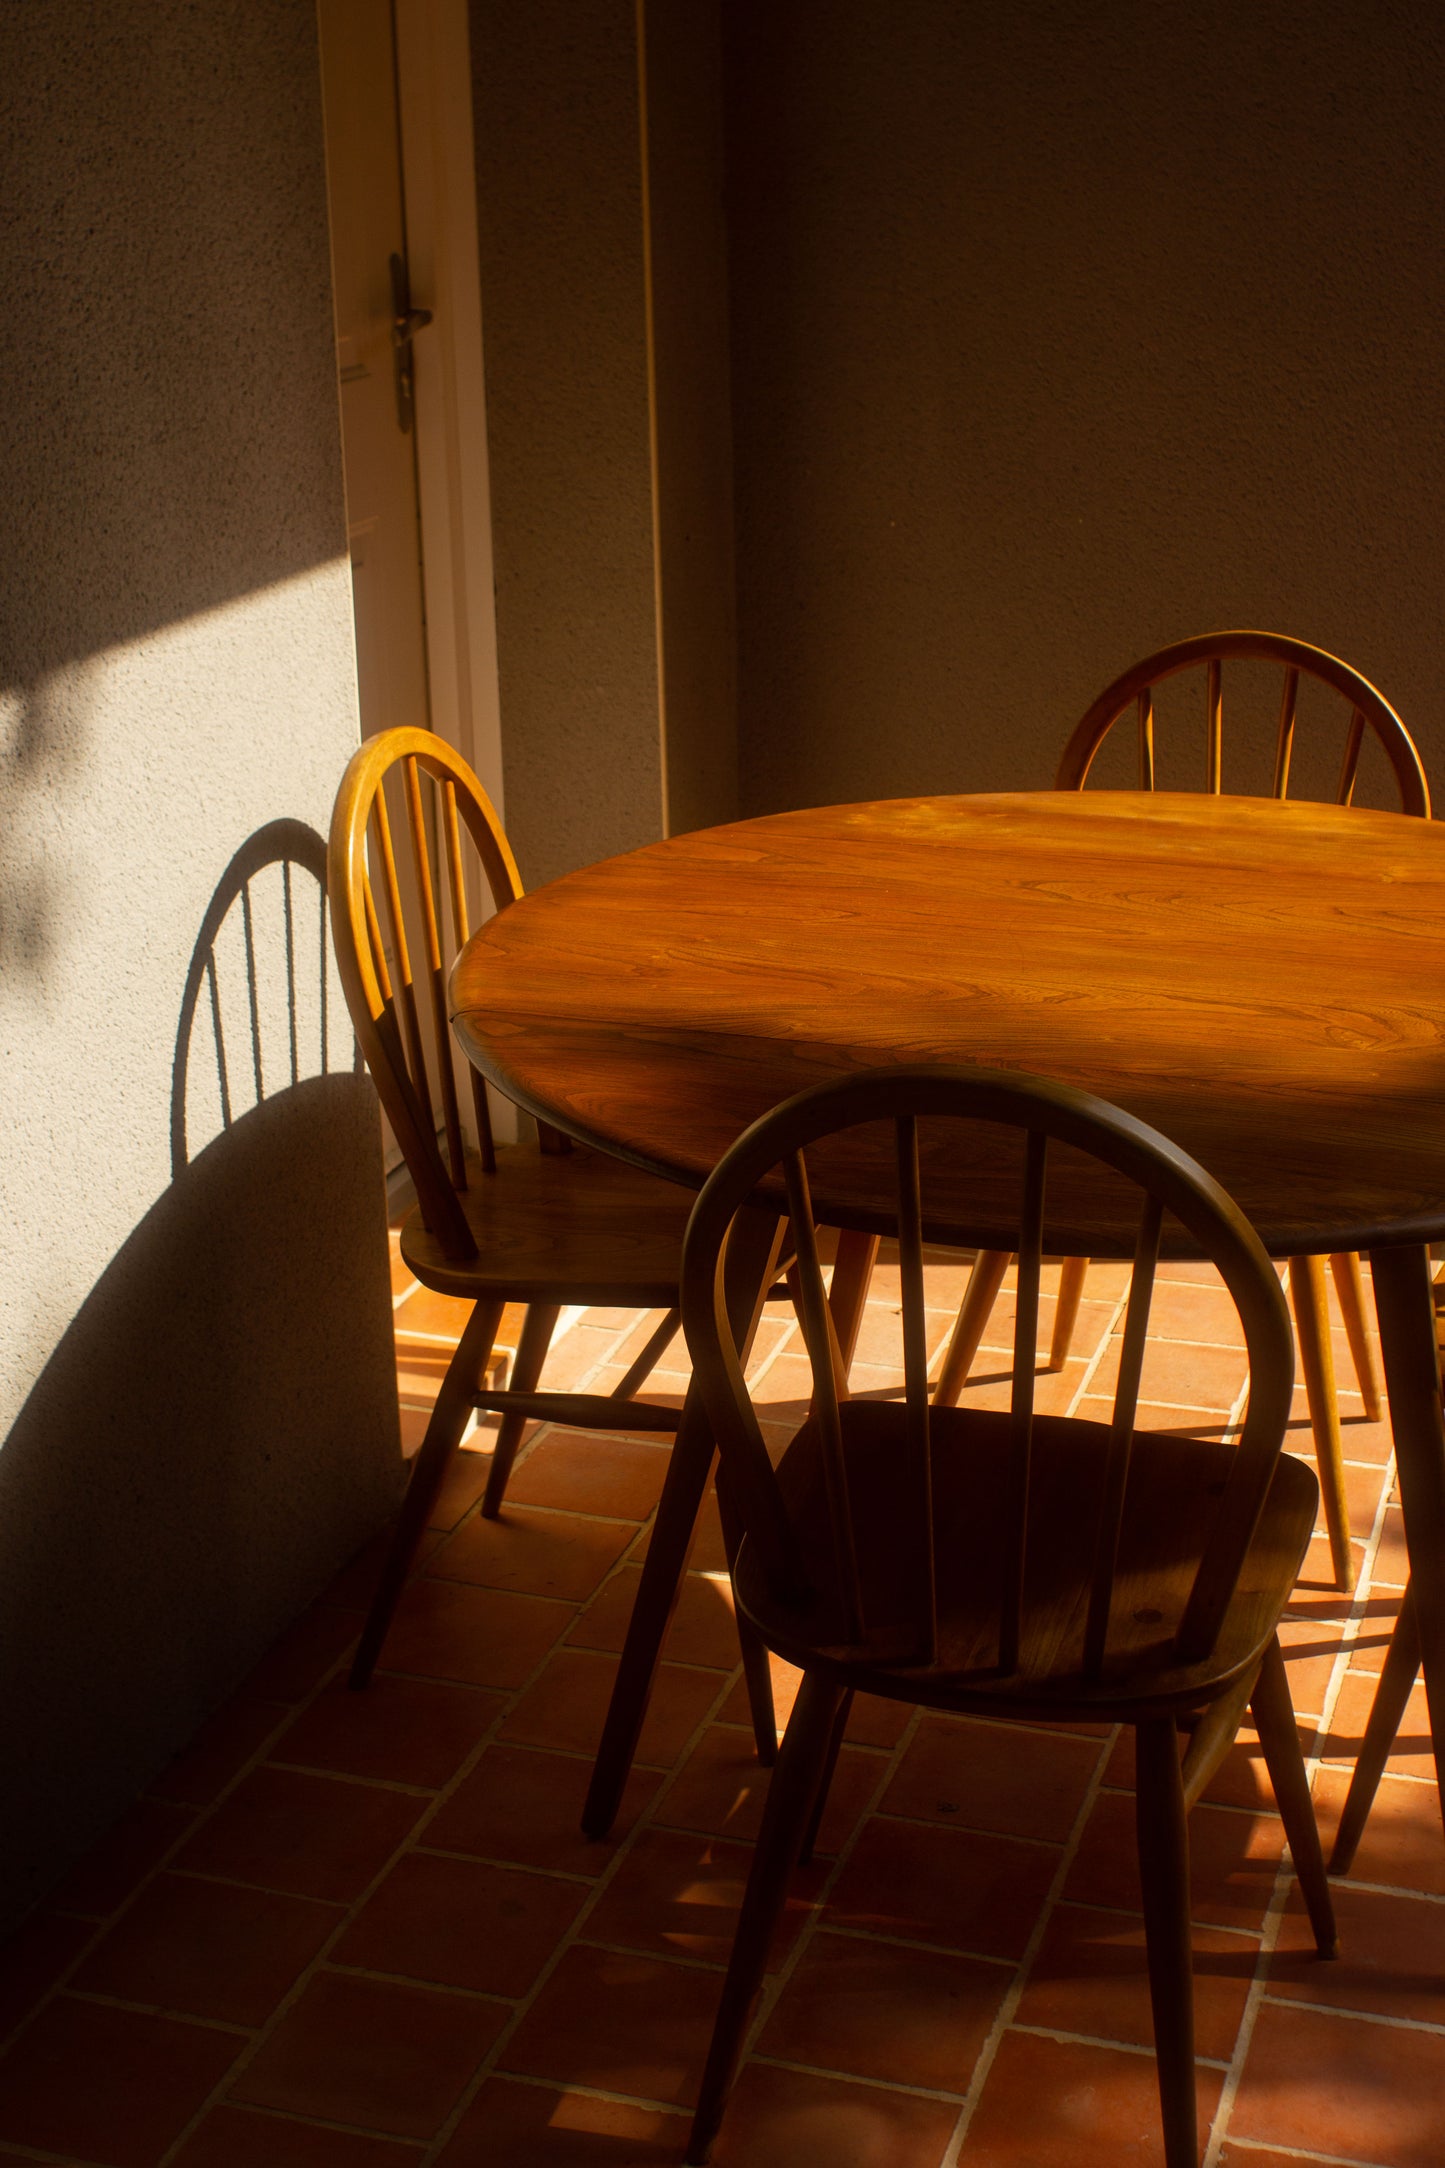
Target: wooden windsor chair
[(1368, 711), (1006, 1564), (548, 1225)]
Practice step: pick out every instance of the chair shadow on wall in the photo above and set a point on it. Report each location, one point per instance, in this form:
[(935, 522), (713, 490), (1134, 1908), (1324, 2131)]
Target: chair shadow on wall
[(313, 1011), (215, 1433)]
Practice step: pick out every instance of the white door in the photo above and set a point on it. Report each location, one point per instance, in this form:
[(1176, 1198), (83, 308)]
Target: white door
[(370, 282), (396, 83)]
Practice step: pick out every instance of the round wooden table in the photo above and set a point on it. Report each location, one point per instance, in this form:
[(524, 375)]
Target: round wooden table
[(1264, 982)]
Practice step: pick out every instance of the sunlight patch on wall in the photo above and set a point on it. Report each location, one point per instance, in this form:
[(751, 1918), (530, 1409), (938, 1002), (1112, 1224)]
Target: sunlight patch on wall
[(127, 783)]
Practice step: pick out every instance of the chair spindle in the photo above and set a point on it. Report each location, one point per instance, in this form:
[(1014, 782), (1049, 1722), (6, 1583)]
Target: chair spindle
[(1021, 1404), (451, 830), (1214, 758), (375, 942), (1284, 743), (1126, 1405), (1349, 766), (405, 991), (461, 928), (822, 1346), (1146, 738), (436, 987), (915, 1351)]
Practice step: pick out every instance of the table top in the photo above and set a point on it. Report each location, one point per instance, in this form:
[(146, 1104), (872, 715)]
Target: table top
[(1264, 982)]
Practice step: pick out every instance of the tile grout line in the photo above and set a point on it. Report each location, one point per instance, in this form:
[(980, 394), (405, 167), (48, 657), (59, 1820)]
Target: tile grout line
[(770, 1996), (260, 2036), (1248, 2147), (1067, 2038), (727, 1682), (289, 1714), (1274, 1915), (202, 1814), (1003, 2020), (625, 1558), (1091, 1367), (1008, 2007), (812, 1927), (1356, 2017), (573, 1935), (144, 1882)]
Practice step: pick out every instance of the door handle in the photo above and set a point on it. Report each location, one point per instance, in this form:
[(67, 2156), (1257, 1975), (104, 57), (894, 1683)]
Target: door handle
[(405, 323)]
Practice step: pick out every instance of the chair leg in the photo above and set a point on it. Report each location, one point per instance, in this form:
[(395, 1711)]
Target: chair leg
[(979, 1298), (1387, 1712), (825, 1782), (753, 1249), (443, 1433), (1274, 1720), (757, 1671), (1349, 1286), (538, 1326), (791, 1795), (848, 1292), (688, 1467), (1071, 1288), (647, 1361), (1164, 1873), (1312, 1320)]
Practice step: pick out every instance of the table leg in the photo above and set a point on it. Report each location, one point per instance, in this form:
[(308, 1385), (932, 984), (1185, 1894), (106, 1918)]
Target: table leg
[(1404, 1304), (752, 1261), (757, 1670), (1387, 1713)]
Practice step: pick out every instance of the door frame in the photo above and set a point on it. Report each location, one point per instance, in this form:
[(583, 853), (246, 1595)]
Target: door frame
[(434, 93)]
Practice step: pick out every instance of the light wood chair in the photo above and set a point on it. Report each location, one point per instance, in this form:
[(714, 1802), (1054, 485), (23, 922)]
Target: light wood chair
[(1003, 1564), (548, 1224), (1367, 710)]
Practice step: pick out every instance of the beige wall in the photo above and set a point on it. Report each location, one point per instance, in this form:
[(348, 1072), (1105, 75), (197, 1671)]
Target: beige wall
[(693, 477), (611, 479), (1060, 332), (196, 1407), (559, 209)]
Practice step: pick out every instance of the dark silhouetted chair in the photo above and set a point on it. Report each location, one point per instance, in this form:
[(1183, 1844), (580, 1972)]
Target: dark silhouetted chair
[(1003, 1564), (1368, 711)]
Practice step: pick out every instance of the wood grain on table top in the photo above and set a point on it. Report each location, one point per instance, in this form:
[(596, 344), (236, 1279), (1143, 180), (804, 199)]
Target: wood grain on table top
[(1265, 982)]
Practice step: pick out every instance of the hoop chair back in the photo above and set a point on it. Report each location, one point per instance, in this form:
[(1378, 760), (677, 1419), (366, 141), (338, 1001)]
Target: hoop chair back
[(392, 975), (854, 1596), (1368, 708)]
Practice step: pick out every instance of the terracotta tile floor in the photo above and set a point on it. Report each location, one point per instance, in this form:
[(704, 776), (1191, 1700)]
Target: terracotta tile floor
[(364, 1931)]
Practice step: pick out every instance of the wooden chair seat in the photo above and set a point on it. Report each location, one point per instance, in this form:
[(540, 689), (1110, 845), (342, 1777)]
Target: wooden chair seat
[(560, 1227), (1170, 1507)]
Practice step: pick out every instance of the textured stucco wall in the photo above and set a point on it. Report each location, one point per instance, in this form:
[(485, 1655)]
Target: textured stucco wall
[(1060, 332), (197, 1416), (692, 408), (559, 209), (611, 488)]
